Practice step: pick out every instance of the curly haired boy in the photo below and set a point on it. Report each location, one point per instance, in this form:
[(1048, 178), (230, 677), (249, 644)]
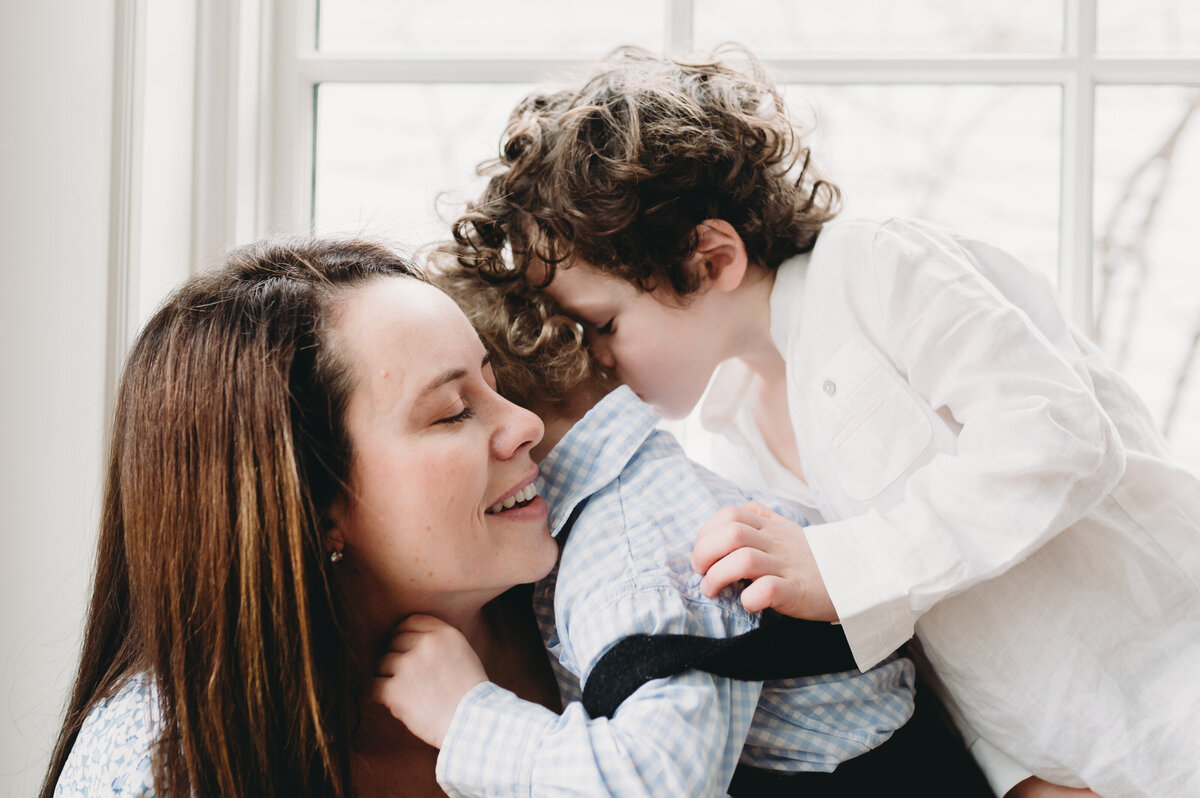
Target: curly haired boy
[(986, 481)]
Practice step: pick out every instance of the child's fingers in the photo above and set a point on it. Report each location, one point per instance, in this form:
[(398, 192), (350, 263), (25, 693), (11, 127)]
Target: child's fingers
[(384, 690), (413, 625), (388, 665), (404, 640), (745, 563), (421, 623), (760, 509), (729, 529), (720, 541), (737, 513), (768, 591)]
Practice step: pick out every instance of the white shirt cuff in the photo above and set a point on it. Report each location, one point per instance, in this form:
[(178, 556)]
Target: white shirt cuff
[(866, 591)]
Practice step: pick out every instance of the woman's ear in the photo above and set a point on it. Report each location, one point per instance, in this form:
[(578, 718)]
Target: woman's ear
[(720, 255), (331, 530)]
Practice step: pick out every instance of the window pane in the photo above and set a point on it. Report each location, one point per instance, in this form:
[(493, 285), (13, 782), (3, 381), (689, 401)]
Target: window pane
[(384, 154), (883, 26), (476, 27), (983, 160), (1147, 285), (1148, 26)]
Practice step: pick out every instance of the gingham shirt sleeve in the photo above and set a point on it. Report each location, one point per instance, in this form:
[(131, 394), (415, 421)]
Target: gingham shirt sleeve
[(670, 738)]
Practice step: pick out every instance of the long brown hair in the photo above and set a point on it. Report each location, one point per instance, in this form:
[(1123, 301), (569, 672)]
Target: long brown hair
[(228, 445)]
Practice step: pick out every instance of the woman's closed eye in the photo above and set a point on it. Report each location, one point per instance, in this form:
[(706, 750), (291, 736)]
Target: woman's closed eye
[(458, 417), (606, 328)]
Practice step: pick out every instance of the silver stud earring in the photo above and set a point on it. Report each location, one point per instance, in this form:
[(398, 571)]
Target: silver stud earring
[(336, 555)]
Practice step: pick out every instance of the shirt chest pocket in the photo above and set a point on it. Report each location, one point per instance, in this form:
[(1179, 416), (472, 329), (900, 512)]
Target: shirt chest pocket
[(870, 425)]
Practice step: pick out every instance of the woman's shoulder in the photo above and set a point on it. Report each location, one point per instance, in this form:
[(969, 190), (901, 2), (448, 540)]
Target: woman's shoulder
[(111, 755)]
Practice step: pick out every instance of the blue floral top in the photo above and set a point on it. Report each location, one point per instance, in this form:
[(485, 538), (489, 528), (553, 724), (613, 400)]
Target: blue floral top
[(111, 755)]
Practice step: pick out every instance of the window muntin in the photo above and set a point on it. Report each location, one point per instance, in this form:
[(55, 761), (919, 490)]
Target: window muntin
[(475, 27), (883, 26)]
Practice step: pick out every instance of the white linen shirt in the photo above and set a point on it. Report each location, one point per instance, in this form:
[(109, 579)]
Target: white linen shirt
[(989, 482)]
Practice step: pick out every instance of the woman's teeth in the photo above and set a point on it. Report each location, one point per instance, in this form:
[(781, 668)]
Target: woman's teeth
[(523, 495)]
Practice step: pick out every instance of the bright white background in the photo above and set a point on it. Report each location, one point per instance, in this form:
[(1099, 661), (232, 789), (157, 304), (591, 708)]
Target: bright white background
[(55, 117), (140, 139)]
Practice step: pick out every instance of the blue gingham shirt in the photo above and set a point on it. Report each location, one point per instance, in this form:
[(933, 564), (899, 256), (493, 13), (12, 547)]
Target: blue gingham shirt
[(624, 570)]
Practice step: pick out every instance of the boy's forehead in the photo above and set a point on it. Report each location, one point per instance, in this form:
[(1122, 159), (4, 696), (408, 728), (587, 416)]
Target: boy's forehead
[(572, 270), (537, 270), (579, 287), (529, 253)]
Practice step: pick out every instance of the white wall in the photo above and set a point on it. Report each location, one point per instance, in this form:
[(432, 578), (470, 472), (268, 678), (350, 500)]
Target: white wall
[(56, 58)]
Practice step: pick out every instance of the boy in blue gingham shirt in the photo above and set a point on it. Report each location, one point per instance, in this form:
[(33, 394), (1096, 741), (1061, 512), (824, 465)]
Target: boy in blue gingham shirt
[(637, 502)]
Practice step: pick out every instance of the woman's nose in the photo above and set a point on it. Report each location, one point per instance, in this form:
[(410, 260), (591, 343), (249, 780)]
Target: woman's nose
[(518, 428)]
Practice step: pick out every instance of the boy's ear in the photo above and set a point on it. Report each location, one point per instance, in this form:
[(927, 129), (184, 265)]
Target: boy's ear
[(720, 255)]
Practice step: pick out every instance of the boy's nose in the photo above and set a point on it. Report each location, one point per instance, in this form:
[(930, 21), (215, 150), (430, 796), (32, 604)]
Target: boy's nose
[(604, 355)]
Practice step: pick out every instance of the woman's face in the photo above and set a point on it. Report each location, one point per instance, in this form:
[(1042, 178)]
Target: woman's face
[(435, 450)]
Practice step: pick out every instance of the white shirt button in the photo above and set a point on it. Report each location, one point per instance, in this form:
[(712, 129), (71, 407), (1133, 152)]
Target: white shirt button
[(829, 388)]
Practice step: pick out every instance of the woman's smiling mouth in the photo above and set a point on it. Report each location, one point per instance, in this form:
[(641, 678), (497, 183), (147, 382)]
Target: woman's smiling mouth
[(518, 499)]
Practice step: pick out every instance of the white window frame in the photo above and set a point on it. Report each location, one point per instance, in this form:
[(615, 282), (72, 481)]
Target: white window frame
[(258, 109)]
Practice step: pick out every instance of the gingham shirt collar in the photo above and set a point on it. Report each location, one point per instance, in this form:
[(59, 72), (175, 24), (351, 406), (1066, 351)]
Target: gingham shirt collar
[(594, 452)]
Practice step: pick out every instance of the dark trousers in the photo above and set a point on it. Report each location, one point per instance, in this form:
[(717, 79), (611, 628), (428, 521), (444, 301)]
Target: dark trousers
[(926, 756)]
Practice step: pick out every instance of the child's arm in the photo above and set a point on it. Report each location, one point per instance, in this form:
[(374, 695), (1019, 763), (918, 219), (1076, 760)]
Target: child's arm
[(427, 670), (666, 739), (1035, 451)]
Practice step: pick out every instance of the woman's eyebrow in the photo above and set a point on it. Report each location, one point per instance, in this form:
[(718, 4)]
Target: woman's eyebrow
[(442, 379), (450, 376)]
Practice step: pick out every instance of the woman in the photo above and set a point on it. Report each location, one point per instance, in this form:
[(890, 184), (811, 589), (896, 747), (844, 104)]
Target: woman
[(307, 449)]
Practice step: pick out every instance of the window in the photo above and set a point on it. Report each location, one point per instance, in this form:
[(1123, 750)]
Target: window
[(1068, 132)]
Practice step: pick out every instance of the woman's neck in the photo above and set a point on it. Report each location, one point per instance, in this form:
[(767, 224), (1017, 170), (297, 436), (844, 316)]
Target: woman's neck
[(502, 632), (371, 624), (387, 760)]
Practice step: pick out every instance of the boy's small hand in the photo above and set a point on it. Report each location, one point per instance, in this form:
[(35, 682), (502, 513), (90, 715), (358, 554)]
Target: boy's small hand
[(754, 542), (429, 667)]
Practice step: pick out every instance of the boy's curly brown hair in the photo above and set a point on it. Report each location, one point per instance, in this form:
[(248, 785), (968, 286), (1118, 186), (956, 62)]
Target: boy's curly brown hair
[(537, 352), (621, 170)]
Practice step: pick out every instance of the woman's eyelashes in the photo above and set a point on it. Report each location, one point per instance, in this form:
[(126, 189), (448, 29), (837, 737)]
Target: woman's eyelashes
[(605, 328), (458, 417), (468, 396)]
